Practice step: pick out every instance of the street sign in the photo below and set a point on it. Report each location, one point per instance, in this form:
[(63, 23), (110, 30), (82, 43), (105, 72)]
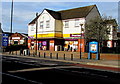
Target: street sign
[(4, 39)]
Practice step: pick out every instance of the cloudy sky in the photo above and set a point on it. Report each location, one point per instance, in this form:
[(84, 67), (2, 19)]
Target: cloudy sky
[(24, 12)]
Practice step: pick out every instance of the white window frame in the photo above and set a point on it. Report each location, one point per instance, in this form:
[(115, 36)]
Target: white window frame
[(67, 24), (41, 25), (48, 24), (32, 27), (77, 23)]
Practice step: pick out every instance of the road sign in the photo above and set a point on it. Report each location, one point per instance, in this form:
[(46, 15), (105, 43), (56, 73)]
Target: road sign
[(4, 39)]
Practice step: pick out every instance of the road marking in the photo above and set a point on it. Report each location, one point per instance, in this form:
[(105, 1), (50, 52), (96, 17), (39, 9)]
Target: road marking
[(36, 69), (18, 77)]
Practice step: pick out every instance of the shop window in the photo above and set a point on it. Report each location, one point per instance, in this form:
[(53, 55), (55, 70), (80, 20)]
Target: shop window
[(71, 46), (15, 42), (21, 41)]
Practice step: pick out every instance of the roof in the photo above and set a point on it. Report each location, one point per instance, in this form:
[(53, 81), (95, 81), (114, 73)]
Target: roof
[(76, 12), (68, 14), (33, 21), (54, 14)]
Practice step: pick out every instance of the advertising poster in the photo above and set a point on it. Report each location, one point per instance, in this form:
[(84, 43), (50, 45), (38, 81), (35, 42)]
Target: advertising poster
[(93, 47)]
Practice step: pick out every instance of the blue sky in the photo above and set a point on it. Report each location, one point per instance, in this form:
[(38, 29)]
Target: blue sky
[(24, 12)]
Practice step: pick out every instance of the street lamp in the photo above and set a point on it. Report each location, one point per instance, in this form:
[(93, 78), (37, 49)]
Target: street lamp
[(36, 33), (81, 37)]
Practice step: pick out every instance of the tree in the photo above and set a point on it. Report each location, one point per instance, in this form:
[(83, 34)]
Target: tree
[(97, 29)]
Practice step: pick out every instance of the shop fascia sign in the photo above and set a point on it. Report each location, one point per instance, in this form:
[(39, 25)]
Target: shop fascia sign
[(15, 37), (76, 35)]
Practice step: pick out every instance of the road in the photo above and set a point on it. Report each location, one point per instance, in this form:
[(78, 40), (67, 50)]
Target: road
[(19, 70)]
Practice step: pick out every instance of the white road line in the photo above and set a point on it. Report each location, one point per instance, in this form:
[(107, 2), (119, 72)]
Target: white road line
[(43, 68), (20, 78)]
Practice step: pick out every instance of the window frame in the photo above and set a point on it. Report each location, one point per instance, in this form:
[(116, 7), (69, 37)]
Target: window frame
[(66, 24), (48, 24), (77, 23), (41, 24)]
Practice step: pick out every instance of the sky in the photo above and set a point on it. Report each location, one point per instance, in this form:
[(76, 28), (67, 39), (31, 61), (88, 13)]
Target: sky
[(24, 12)]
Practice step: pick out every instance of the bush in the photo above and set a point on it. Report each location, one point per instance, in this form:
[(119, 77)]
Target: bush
[(15, 47)]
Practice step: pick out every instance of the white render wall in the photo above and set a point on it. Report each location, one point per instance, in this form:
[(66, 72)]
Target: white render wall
[(31, 29), (45, 16), (72, 29)]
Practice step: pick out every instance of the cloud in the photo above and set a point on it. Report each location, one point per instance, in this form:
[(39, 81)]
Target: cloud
[(24, 12)]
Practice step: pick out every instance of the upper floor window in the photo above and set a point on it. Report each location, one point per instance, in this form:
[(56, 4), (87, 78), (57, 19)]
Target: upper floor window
[(66, 24), (41, 24), (77, 24), (32, 27), (47, 24)]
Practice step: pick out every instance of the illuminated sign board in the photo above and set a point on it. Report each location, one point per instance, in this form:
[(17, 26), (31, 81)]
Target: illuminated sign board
[(76, 35), (93, 47)]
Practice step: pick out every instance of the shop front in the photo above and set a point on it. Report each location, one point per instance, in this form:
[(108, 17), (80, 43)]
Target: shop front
[(74, 42), (71, 45)]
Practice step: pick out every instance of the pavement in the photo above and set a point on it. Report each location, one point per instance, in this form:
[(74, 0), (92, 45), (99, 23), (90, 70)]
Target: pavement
[(111, 65)]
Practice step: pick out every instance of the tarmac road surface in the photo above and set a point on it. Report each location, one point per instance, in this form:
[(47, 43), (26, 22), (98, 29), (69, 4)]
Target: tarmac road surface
[(19, 70)]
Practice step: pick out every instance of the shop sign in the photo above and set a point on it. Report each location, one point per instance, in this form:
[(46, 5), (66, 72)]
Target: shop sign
[(44, 43), (15, 37), (76, 35), (40, 44), (109, 44), (51, 44)]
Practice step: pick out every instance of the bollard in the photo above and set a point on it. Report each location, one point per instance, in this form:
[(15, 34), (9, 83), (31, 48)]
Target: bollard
[(24, 53), (28, 52), (64, 56), (57, 56), (71, 56), (44, 54), (33, 54), (12, 52), (16, 52), (39, 54), (51, 55), (9, 52)]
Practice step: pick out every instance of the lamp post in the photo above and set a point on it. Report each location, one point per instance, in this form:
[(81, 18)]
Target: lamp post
[(36, 33), (80, 38), (11, 17)]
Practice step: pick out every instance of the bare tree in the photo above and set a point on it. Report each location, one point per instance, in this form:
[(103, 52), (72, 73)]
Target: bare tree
[(97, 29)]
